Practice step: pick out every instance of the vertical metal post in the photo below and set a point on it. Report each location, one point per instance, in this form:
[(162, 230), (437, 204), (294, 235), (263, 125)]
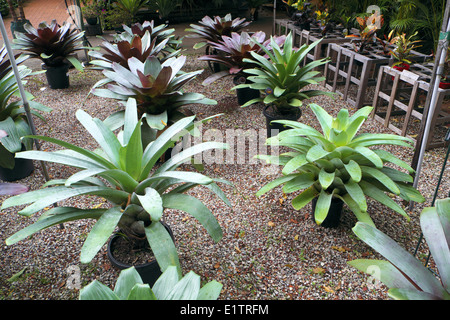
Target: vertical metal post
[(21, 90)]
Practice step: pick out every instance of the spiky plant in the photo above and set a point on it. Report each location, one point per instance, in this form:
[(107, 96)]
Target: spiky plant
[(212, 29), (339, 163), (123, 173), (156, 87), (51, 43)]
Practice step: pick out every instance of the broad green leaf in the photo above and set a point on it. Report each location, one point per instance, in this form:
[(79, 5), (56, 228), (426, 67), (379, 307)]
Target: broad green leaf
[(324, 118), (163, 286), (197, 209), (97, 291), (357, 194), (152, 203), (186, 289), (53, 217), (294, 164), (100, 233), (322, 206), (210, 291), (126, 281), (275, 183), (381, 177), (326, 178), (370, 155), (301, 181), (162, 246), (435, 234), (383, 271), (405, 294), (304, 198), (141, 292), (362, 216), (354, 170), (412, 268), (371, 191)]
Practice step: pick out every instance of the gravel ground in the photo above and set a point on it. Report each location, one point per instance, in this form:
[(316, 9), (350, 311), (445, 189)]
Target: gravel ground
[(268, 251)]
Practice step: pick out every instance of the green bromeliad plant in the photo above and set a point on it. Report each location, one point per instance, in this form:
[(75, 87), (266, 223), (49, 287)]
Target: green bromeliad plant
[(339, 163), (123, 173), (169, 286), (282, 76), (405, 275)]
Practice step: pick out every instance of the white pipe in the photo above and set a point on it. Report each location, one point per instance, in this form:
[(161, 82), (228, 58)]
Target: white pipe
[(432, 107)]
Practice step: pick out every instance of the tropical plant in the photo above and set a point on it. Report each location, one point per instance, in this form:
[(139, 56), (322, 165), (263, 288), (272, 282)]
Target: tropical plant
[(233, 51), (403, 47), (212, 29), (281, 75), (338, 163), (123, 173), (159, 33), (116, 17), (368, 26), (131, 6), (157, 88), (13, 118), (91, 9), (405, 275), (169, 286), (51, 43)]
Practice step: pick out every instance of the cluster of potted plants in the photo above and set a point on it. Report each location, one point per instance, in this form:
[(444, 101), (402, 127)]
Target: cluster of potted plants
[(143, 70)]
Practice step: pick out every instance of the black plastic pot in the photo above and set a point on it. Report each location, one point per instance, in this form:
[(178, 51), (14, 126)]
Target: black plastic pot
[(149, 272), (57, 77), (274, 128), (245, 94), (92, 21), (333, 218), (22, 169)]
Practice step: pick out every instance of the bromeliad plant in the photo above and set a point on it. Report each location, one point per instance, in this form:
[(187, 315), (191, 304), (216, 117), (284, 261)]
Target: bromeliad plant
[(156, 87), (51, 43), (405, 275), (338, 163), (234, 51), (123, 173), (211, 30), (281, 76), (368, 27), (169, 286)]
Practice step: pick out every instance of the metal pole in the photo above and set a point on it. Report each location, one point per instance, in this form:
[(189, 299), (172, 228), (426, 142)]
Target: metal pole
[(21, 90), (444, 39), (274, 16)]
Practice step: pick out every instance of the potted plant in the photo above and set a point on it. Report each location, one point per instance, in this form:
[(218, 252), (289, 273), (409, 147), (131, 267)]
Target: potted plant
[(17, 23), (55, 46), (282, 78), (232, 53), (157, 88), (405, 275), (303, 15), (122, 172), (402, 52), (14, 121), (169, 286), (116, 17), (211, 30), (91, 11), (338, 166), (368, 28)]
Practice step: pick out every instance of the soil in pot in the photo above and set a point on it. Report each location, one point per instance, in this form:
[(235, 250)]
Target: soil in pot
[(124, 254), (57, 77), (333, 218), (274, 128)]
